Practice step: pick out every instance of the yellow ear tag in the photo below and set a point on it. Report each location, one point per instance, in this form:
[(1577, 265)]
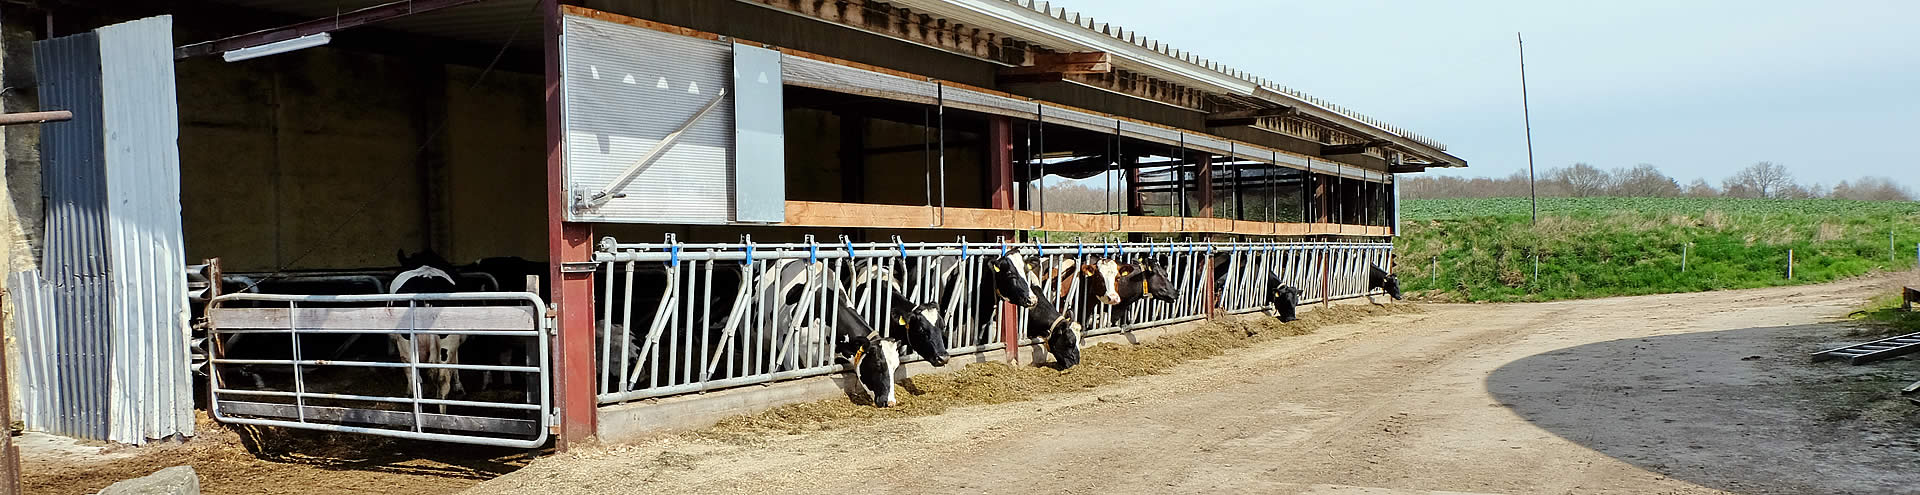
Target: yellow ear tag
[(857, 355), (1143, 287), (996, 268), (903, 321)]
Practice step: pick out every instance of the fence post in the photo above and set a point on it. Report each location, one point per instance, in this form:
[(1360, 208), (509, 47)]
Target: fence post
[(1890, 248), (1683, 257), (1789, 264), (1435, 274)]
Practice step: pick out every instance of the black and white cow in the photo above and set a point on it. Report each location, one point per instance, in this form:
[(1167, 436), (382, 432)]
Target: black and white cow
[(1006, 280), (1380, 279), (920, 324), (1121, 284), (427, 272), (1059, 333), (788, 327), (1284, 298)]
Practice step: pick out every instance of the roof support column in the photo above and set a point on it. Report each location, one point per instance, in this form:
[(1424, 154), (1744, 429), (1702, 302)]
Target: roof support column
[(567, 242), (1000, 187)]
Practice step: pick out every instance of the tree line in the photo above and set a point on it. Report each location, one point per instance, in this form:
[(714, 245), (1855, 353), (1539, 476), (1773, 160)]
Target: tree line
[(1760, 180)]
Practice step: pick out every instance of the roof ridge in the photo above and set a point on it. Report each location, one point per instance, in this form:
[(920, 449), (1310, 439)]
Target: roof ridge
[(1132, 37)]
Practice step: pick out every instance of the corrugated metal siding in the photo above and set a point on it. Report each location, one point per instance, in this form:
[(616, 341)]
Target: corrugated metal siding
[(627, 88), (104, 323), (1073, 118), (806, 72), (152, 388), (988, 103), (1150, 133), (74, 337)]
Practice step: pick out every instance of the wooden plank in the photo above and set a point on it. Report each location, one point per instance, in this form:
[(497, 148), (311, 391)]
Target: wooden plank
[(1058, 69), (376, 318), (347, 416), (852, 215)]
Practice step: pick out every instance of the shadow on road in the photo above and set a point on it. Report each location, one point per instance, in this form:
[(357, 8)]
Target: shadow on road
[(1737, 410)]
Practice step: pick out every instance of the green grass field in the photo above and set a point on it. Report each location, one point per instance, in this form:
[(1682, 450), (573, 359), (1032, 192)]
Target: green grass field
[(1598, 247)]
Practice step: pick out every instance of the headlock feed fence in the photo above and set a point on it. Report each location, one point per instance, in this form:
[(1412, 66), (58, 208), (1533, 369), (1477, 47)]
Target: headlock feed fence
[(676, 318)]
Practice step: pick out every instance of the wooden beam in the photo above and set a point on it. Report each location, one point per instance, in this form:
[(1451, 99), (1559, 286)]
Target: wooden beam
[(851, 215), (1350, 149), (1406, 169), (1235, 118), (1054, 67), (1064, 63), (1004, 80)]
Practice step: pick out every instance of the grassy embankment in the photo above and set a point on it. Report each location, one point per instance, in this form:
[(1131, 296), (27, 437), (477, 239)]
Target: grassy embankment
[(1599, 247)]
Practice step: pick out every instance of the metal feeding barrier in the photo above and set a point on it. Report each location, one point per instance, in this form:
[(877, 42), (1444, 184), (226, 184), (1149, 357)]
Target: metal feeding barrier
[(380, 364), (678, 318)]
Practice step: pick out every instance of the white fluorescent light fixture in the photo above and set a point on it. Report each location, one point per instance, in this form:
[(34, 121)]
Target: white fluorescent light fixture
[(278, 47)]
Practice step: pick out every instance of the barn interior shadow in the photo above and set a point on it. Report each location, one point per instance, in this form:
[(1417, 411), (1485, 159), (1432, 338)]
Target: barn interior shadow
[(1737, 410)]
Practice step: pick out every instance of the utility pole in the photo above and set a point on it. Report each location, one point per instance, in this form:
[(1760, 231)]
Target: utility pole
[(1527, 114)]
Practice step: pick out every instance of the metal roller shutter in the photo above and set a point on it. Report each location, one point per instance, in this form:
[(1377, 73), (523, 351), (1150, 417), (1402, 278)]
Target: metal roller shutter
[(627, 88)]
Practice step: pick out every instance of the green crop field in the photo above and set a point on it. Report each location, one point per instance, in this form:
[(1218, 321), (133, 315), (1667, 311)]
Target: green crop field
[(1485, 249)]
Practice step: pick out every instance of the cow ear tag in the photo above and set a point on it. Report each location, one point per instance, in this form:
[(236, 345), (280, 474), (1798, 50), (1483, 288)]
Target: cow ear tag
[(903, 321), (996, 268)]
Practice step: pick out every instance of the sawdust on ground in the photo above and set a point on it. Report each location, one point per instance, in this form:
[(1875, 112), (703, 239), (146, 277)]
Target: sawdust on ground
[(245, 460), (999, 382)]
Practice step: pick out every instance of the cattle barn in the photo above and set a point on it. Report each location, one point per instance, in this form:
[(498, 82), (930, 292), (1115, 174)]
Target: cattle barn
[(534, 222)]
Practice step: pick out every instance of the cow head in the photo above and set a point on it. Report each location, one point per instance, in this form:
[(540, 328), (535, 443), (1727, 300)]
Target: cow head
[(1059, 334), (1380, 279), (1284, 298), (1151, 276), (1010, 278), (925, 336), (1103, 279), (1063, 341), (874, 361)]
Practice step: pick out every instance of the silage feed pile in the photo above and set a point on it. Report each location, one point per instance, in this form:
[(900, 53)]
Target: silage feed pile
[(999, 382)]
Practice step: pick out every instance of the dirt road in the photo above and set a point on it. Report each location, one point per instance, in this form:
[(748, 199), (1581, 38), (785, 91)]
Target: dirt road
[(1689, 393)]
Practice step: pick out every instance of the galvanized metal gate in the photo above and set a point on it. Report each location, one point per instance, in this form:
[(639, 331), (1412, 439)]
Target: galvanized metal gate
[(383, 364)]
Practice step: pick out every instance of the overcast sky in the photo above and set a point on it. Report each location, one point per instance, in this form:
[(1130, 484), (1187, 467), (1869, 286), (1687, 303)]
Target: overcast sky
[(1699, 88)]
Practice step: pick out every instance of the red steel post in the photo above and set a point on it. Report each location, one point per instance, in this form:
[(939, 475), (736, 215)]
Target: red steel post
[(1000, 182), (572, 293)]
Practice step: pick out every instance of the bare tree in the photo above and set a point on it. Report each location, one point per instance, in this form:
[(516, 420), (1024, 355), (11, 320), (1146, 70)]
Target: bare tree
[(1872, 189), (1760, 180), (1645, 181), (1699, 188), (1583, 180)]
